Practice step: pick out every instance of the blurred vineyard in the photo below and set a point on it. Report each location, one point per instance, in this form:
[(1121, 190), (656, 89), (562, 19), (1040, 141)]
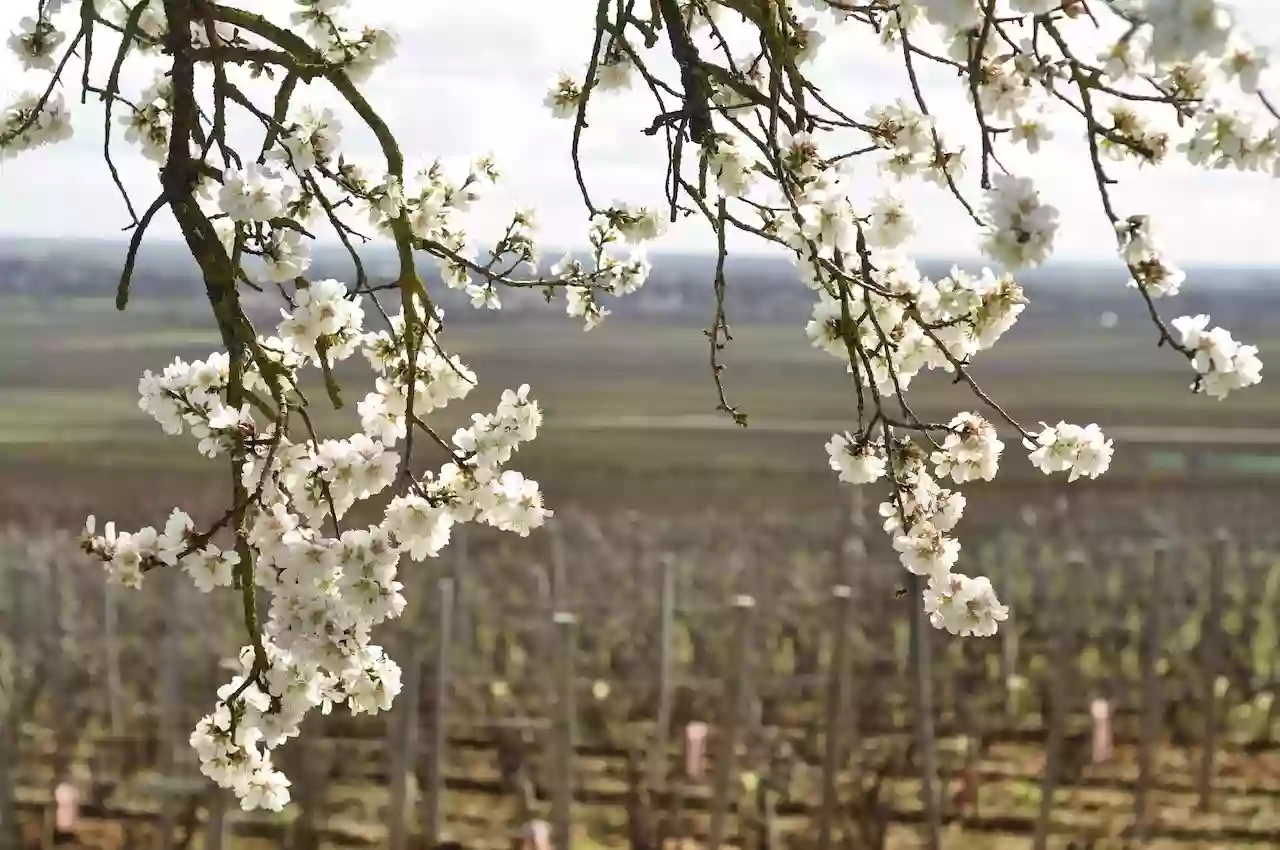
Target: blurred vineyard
[(701, 679)]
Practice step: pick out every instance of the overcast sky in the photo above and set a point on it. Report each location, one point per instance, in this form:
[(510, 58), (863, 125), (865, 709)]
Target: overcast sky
[(470, 76)]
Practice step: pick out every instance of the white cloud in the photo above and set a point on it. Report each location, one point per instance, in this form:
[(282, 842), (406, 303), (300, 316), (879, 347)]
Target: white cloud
[(470, 76)]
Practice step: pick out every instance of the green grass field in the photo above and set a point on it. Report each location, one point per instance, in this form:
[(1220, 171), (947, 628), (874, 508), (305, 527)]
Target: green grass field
[(630, 408)]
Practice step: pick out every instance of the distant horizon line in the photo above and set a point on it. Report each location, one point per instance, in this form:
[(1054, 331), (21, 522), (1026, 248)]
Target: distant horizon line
[(1100, 261)]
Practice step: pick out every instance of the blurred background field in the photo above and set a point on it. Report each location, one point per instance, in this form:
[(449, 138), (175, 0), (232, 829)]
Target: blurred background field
[(1156, 588), (630, 403)]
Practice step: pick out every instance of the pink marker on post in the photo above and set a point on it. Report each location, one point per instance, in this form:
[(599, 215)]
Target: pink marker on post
[(695, 750), (1103, 745), (66, 813), (536, 835)]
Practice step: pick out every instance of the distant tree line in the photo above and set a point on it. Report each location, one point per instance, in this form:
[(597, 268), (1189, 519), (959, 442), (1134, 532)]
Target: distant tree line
[(1064, 294)]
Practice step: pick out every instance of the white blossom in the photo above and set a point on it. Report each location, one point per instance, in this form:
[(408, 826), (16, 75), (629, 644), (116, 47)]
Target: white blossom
[(891, 223), (964, 605), (35, 42), (970, 450), (33, 121), (1020, 228), (1145, 258), (926, 551), (252, 194), (1071, 448), (563, 97), (211, 567), (857, 463), (733, 168), (1222, 363), (323, 317)]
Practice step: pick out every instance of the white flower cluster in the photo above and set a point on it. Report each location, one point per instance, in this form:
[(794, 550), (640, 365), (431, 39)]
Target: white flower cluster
[(35, 42), (1072, 449), (894, 320), (611, 275), (357, 51), (130, 554), (433, 206), (970, 451), (28, 124), (1224, 138), (1222, 364), (1021, 228), (263, 208), (191, 397), (278, 255), (435, 379), (931, 324), (886, 321), (312, 140), (952, 14), (733, 168), (615, 71), (147, 121), (327, 592), (256, 193), (265, 212), (858, 462), (912, 140), (921, 513), (1145, 258), (324, 324), (964, 606), (1184, 30), (328, 586), (563, 97)]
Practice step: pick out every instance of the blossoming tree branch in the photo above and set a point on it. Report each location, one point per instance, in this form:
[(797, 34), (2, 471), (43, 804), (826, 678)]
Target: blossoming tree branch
[(754, 145)]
